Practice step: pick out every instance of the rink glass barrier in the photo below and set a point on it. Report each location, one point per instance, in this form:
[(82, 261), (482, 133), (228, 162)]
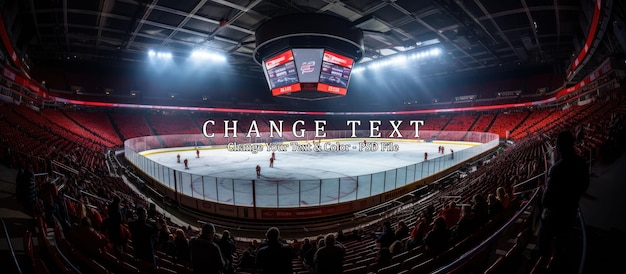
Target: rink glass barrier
[(280, 193)]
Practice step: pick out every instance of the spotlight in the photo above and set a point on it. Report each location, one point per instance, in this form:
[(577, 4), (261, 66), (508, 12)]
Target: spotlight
[(160, 54), (207, 55)]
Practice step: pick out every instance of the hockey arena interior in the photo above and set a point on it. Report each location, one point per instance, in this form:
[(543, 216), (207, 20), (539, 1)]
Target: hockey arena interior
[(312, 136)]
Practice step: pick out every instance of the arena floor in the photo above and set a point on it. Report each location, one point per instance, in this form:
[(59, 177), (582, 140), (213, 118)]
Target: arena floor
[(296, 174)]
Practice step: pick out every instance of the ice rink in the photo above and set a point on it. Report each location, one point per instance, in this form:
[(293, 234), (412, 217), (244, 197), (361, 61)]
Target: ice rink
[(305, 175)]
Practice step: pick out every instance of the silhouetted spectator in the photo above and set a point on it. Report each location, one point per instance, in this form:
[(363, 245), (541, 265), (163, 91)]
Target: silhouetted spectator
[(320, 242), (503, 197), (385, 238), (430, 211), (341, 237), (206, 256), (355, 235), (152, 212), (422, 226), (466, 225), (402, 231), (247, 260), (48, 193), (480, 209), (329, 258), (144, 236), (305, 248), (296, 245), (113, 222), (227, 246), (568, 179), (494, 206), (310, 253), (254, 245), (451, 214), (163, 239), (275, 257), (181, 247), (438, 239)]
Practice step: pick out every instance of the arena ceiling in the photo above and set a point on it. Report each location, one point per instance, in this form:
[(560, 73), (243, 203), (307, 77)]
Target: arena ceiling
[(473, 34)]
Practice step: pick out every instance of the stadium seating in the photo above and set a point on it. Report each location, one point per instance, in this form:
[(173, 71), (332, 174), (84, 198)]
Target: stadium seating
[(483, 122), (73, 137), (507, 122), (97, 123), (131, 125)]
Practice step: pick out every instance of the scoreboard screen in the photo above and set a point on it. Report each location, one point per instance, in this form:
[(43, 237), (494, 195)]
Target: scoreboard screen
[(317, 72), (280, 71)]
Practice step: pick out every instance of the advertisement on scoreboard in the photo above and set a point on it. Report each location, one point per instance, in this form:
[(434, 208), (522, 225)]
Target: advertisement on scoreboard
[(335, 74), (281, 70)]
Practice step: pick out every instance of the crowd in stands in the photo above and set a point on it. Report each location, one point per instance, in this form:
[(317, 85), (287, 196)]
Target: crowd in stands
[(100, 215)]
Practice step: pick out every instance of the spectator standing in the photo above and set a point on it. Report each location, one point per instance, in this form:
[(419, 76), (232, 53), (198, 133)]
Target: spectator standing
[(227, 246), (568, 179), (385, 238), (309, 254), (114, 221), (48, 193), (329, 258), (274, 257), (144, 237), (206, 256)]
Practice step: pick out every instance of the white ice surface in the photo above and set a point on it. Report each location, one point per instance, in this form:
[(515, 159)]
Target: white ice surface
[(295, 178)]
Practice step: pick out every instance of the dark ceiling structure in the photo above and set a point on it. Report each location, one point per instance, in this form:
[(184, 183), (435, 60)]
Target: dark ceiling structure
[(472, 34)]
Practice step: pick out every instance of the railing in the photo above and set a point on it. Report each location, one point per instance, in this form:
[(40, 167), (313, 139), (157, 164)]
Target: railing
[(468, 255), (304, 193), (535, 201)]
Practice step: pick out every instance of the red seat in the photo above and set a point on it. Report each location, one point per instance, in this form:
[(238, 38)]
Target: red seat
[(38, 265)]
